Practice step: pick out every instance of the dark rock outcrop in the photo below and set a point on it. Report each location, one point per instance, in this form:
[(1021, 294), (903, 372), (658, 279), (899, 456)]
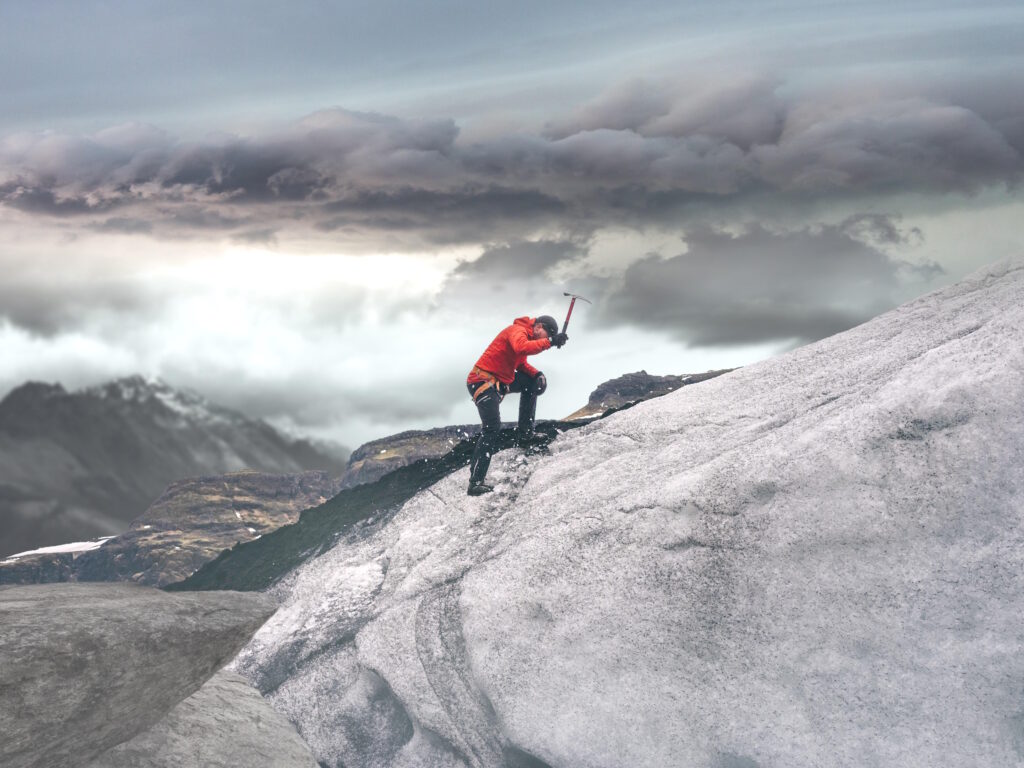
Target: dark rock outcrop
[(634, 387), (376, 458), (225, 724), (84, 667), (75, 466)]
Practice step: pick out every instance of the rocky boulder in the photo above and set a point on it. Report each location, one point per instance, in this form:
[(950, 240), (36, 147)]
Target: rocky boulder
[(84, 667), (374, 459), (632, 388), (225, 724)]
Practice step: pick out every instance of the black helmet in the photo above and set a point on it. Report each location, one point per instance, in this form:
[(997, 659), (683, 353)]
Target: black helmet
[(549, 323)]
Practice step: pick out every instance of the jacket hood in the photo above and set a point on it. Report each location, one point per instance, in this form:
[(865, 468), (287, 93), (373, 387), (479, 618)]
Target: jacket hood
[(526, 322)]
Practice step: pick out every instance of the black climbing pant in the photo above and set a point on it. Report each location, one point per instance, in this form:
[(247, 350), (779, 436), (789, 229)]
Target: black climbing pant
[(490, 417)]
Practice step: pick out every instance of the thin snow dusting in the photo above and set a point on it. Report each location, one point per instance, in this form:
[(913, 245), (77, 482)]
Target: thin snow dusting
[(813, 561), (187, 404), (74, 546)]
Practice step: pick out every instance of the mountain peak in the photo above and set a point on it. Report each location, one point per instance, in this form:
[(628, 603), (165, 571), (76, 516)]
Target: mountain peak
[(32, 391), (142, 389)]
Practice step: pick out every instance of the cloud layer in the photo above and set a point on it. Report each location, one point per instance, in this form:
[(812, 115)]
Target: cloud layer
[(637, 155)]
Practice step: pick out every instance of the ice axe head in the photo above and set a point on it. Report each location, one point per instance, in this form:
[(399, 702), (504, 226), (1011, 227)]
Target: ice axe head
[(571, 305)]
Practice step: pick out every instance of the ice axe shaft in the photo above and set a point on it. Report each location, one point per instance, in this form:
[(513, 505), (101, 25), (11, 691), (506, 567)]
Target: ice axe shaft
[(571, 305)]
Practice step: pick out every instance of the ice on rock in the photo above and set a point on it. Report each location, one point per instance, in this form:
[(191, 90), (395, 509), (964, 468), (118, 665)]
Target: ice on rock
[(816, 560)]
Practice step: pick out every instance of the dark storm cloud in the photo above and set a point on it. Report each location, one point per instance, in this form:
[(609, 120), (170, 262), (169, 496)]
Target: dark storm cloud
[(465, 215), (742, 111), (36, 200), (517, 261), (906, 144), (998, 99), (517, 279), (761, 286), (638, 154)]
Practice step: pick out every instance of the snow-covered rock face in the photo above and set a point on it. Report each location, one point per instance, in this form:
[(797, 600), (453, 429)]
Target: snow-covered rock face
[(813, 561)]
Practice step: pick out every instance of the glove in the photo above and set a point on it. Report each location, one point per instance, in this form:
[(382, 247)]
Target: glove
[(559, 339), (540, 383)]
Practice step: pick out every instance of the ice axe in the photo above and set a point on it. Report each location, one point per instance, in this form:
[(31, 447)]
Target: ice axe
[(571, 305)]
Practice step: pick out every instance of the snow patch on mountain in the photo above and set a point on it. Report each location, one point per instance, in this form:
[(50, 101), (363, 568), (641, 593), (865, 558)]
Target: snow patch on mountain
[(815, 560), (70, 547), (190, 405)]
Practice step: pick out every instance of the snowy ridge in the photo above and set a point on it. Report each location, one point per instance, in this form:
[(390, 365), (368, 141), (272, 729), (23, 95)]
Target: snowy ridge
[(185, 403), (816, 560)]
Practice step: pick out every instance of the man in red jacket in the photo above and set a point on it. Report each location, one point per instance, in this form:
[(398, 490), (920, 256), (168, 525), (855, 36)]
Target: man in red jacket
[(501, 369)]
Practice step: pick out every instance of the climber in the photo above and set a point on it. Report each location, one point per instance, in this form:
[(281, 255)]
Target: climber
[(501, 369)]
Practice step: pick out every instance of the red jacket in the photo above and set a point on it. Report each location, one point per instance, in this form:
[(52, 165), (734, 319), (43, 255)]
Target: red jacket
[(507, 353)]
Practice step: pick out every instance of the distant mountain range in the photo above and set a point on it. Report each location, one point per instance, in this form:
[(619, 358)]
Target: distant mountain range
[(77, 465)]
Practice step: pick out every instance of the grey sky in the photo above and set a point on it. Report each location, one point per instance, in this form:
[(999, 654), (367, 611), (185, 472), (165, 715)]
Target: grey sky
[(87, 63), (320, 212)]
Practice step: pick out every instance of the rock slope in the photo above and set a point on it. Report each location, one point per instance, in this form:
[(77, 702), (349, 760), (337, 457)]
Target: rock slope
[(78, 465), (84, 667), (374, 459), (815, 560), (352, 513)]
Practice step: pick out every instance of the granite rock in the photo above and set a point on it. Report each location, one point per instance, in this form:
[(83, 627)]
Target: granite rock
[(84, 667), (225, 724), (374, 459), (632, 388)]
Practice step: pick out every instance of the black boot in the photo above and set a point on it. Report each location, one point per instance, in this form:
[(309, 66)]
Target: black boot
[(530, 440), (478, 488)]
